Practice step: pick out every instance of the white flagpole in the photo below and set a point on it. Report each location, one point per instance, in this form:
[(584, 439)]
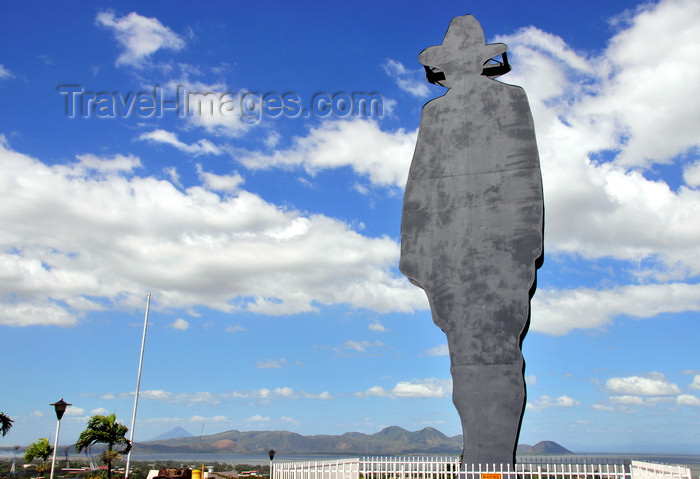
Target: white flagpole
[(138, 386)]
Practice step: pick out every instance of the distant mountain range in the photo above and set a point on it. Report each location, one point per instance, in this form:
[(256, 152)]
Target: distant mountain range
[(542, 448), (389, 441)]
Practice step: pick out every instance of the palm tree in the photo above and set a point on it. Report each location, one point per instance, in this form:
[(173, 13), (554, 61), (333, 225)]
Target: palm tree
[(5, 424), (41, 449), (105, 430)]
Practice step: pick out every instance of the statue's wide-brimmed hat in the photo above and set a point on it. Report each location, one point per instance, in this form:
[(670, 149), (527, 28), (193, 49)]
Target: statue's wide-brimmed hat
[(463, 43)]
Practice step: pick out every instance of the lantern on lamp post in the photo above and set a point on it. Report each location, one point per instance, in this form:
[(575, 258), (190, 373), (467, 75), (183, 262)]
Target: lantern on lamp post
[(60, 407), (271, 453)]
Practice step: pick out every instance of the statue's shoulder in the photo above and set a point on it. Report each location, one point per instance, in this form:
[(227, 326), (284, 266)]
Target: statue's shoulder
[(513, 90), (437, 104)]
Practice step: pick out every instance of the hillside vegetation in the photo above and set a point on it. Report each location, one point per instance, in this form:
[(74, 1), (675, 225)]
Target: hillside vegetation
[(390, 441)]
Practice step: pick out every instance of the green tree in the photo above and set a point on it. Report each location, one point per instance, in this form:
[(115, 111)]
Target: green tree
[(105, 430), (5, 424), (40, 449)]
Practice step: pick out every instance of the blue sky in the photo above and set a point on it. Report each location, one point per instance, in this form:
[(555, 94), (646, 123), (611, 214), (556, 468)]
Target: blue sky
[(270, 244)]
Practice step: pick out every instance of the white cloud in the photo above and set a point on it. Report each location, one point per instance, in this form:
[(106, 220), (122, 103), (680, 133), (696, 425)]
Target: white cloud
[(624, 95), (547, 402), (101, 236), (164, 420), (654, 384), (139, 36), (381, 156), (290, 420), (217, 108), (602, 407), (373, 391), (426, 388), (211, 419), (688, 400), (263, 393), (566, 401), (74, 411), (99, 411), (440, 350), (266, 394), (41, 312), (627, 400), (173, 175), (271, 364), (691, 174), (603, 124), (651, 105), (115, 164), (412, 82), (235, 329), (362, 346), (558, 312), (284, 392), (272, 139), (599, 210), (226, 183), (258, 418), (155, 394), (531, 380), (5, 73), (323, 395), (198, 398), (377, 327), (180, 324), (696, 382), (177, 398), (201, 147)]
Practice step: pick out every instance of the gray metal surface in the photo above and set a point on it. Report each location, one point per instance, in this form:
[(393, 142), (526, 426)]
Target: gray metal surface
[(472, 235)]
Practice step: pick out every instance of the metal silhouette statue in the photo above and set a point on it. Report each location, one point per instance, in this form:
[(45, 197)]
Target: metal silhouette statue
[(472, 232)]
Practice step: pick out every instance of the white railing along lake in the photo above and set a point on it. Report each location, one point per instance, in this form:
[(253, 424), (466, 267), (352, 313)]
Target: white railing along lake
[(440, 467)]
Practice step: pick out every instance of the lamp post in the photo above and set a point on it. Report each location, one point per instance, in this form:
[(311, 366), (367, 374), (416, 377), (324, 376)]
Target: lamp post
[(60, 407), (272, 456)]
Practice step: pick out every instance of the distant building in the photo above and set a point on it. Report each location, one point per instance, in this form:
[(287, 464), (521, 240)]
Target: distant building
[(223, 475)]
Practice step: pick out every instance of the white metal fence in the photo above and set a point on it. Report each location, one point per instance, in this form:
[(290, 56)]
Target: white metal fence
[(440, 467), (644, 470)]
